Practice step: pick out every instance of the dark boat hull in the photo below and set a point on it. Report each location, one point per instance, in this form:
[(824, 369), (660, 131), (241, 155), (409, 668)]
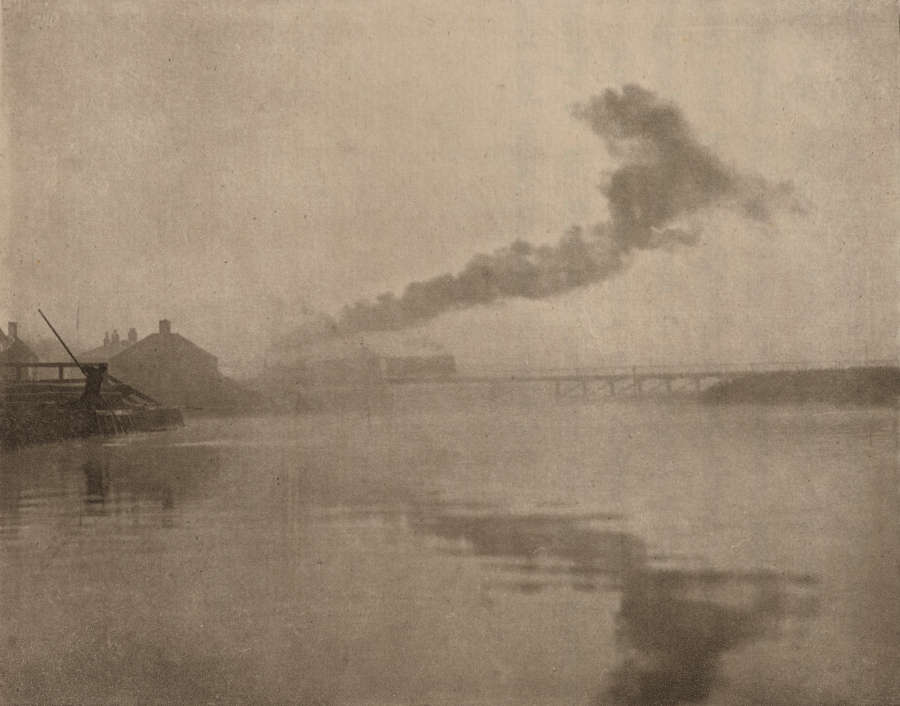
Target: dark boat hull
[(26, 425)]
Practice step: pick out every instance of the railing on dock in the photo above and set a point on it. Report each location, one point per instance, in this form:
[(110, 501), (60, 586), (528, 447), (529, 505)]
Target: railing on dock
[(30, 372), (41, 383)]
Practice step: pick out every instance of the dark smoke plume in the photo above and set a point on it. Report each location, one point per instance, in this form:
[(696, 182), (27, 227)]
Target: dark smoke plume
[(664, 174)]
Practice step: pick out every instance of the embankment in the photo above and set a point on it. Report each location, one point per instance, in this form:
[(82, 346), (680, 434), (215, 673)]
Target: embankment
[(851, 386)]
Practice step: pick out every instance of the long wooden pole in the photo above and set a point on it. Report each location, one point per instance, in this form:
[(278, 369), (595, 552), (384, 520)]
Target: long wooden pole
[(59, 338), (80, 367)]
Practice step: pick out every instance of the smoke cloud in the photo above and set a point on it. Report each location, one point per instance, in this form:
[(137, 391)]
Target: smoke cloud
[(664, 175)]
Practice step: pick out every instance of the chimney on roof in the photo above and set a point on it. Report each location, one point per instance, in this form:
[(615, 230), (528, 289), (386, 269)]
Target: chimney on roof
[(13, 330), (106, 338), (165, 327), (115, 336), (132, 336)]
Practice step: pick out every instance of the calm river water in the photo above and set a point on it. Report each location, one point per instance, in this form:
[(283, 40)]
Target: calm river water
[(459, 550)]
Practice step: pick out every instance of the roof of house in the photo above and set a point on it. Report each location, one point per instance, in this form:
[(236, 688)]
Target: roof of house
[(102, 354), (156, 344)]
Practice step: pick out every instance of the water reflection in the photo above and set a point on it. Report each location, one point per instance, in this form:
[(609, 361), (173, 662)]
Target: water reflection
[(96, 485), (101, 483), (10, 501), (135, 669), (673, 624)]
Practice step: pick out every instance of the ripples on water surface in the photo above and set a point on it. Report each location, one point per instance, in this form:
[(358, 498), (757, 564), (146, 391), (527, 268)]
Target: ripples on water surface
[(450, 552)]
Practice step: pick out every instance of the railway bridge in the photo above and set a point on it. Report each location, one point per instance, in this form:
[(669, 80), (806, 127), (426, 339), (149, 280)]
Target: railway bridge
[(633, 380)]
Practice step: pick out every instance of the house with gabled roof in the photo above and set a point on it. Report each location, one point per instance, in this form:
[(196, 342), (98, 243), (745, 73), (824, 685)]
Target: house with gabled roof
[(176, 371), (14, 350)]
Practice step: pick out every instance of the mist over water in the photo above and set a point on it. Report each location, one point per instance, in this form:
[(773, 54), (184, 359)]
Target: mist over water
[(458, 549)]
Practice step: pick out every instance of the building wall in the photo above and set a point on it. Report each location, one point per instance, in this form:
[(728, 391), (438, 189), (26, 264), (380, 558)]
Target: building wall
[(177, 381)]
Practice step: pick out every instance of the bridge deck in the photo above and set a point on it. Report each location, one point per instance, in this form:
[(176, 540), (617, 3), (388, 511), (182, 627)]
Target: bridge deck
[(658, 372), (659, 379)]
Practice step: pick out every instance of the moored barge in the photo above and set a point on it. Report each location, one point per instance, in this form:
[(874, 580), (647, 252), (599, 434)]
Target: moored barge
[(36, 407)]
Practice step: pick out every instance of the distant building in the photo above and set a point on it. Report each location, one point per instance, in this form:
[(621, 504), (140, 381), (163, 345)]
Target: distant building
[(170, 368), (14, 350), (167, 366)]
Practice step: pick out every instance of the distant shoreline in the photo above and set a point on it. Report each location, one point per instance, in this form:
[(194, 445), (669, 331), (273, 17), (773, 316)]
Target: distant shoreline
[(861, 386)]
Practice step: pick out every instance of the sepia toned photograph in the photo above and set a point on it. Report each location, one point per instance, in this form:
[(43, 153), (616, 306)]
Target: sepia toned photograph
[(428, 353)]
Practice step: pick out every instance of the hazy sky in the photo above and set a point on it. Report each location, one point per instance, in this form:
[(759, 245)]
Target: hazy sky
[(224, 164)]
